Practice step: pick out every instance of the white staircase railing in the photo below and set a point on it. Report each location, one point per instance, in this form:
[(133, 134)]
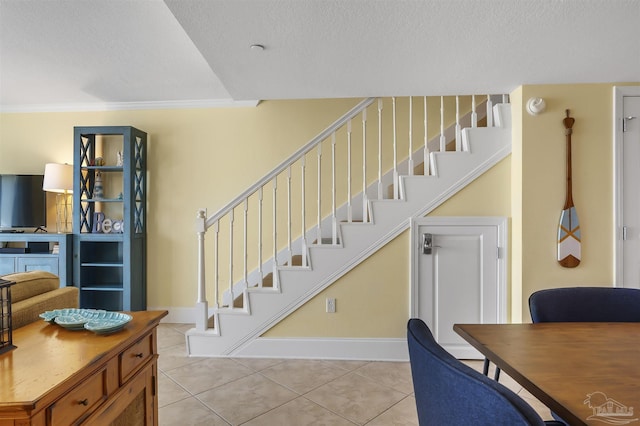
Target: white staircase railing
[(281, 200)]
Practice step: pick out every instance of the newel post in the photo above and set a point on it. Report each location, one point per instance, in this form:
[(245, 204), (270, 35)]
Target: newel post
[(202, 307)]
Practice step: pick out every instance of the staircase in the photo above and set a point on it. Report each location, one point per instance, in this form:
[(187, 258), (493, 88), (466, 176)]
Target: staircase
[(299, 267)]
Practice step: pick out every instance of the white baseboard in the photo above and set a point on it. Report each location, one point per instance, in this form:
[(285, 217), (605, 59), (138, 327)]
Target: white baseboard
[(369, 349), (177, 315)]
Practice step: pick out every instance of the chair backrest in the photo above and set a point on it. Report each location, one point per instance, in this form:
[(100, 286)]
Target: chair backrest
[(585, 304), (449, 392)]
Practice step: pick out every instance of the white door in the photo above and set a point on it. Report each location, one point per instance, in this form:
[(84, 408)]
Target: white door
[(627, 141), (461, 278)]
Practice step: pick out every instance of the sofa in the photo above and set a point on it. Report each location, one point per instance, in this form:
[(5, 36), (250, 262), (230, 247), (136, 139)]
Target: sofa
[(35, 292)]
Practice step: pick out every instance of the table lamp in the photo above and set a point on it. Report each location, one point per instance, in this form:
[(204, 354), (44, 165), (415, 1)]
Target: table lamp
[(58, 178)]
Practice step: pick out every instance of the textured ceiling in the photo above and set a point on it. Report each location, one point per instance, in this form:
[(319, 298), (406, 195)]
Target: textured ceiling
[(57, 54)]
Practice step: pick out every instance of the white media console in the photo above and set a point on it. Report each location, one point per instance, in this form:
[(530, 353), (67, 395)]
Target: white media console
[(24, 251)]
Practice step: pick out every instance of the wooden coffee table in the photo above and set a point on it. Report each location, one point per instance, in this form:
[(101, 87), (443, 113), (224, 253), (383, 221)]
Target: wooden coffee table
[(60, 377)]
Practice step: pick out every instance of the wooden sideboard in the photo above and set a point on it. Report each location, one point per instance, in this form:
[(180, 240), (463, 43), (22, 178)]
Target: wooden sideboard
[(61, 377)]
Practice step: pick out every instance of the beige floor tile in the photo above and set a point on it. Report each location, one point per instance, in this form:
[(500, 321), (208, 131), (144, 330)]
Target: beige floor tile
[(540, 408), (510, 383), (300, 411), (246, 398), (190, 412), (182, 327), (404, 413), (396, 375), (173, 357), (207, 373), (258, 364), (504, 378), (347, 364), (355, 397), (169, 336), (169, 392), (303, 375), (478, 365)]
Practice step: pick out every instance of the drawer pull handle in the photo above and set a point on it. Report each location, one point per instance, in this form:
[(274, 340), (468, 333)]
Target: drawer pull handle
[(139, 355), (84, 402)]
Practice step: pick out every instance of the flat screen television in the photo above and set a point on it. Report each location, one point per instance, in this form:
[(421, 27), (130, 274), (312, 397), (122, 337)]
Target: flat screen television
[(23, 202)]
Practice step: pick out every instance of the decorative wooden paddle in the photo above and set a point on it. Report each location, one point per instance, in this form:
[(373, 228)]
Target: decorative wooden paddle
[(569, 228)]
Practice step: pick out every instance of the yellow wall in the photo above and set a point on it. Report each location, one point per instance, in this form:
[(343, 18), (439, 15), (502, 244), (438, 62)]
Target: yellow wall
[(516, 206), (204, 157), (529, 187), (543, 188), (197, 158)]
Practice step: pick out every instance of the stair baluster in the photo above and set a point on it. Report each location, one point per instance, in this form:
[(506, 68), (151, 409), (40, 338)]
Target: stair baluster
[(410, 156), (396, 176), (349, 195), (289, 237), (245, 254), (231, 296), (260, 273), (474, 114), (458, 127), (365, 199), (425, 157), (319, 215), (274, 262), (443, 141), (380, 192), (334, 218), (303, 233)]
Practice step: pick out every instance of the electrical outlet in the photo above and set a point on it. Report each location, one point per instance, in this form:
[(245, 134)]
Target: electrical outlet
[(331, 305)]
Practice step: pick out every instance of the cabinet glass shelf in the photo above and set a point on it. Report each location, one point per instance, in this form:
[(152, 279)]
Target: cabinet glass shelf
[(102, 288), (102, 200), (106, 265), (104, 168)]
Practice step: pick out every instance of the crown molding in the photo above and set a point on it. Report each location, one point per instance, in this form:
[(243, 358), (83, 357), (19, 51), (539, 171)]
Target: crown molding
[(123, 106)]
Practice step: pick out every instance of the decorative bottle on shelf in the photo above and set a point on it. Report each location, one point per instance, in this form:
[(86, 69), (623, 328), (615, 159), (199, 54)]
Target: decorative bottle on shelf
[(98, 191)]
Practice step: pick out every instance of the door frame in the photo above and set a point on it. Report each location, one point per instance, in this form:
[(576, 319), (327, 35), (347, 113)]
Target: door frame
[(501, 223), (619, 93)]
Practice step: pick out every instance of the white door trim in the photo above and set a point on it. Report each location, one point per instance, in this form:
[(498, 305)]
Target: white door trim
[(415, 253), (619, 92)]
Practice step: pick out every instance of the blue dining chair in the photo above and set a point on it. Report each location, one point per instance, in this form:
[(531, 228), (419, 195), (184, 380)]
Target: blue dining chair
[(449, 392), (585, 304)]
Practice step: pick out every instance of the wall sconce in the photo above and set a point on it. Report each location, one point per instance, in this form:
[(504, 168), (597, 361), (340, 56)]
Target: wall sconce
[(58, 178), (536, 106)]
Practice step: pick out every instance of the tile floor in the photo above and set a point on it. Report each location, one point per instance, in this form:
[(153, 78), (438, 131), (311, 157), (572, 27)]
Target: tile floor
[(264, 392)]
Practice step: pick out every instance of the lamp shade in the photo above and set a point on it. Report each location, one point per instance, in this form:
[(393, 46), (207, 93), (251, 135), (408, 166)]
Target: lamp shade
[(58, 178)]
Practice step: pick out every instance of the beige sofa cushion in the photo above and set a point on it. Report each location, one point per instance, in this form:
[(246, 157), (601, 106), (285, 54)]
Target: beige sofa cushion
[(33, 283), (29, 310)]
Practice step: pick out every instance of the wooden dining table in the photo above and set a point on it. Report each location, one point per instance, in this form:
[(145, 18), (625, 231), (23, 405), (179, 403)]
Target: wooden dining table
[(587, 373)]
